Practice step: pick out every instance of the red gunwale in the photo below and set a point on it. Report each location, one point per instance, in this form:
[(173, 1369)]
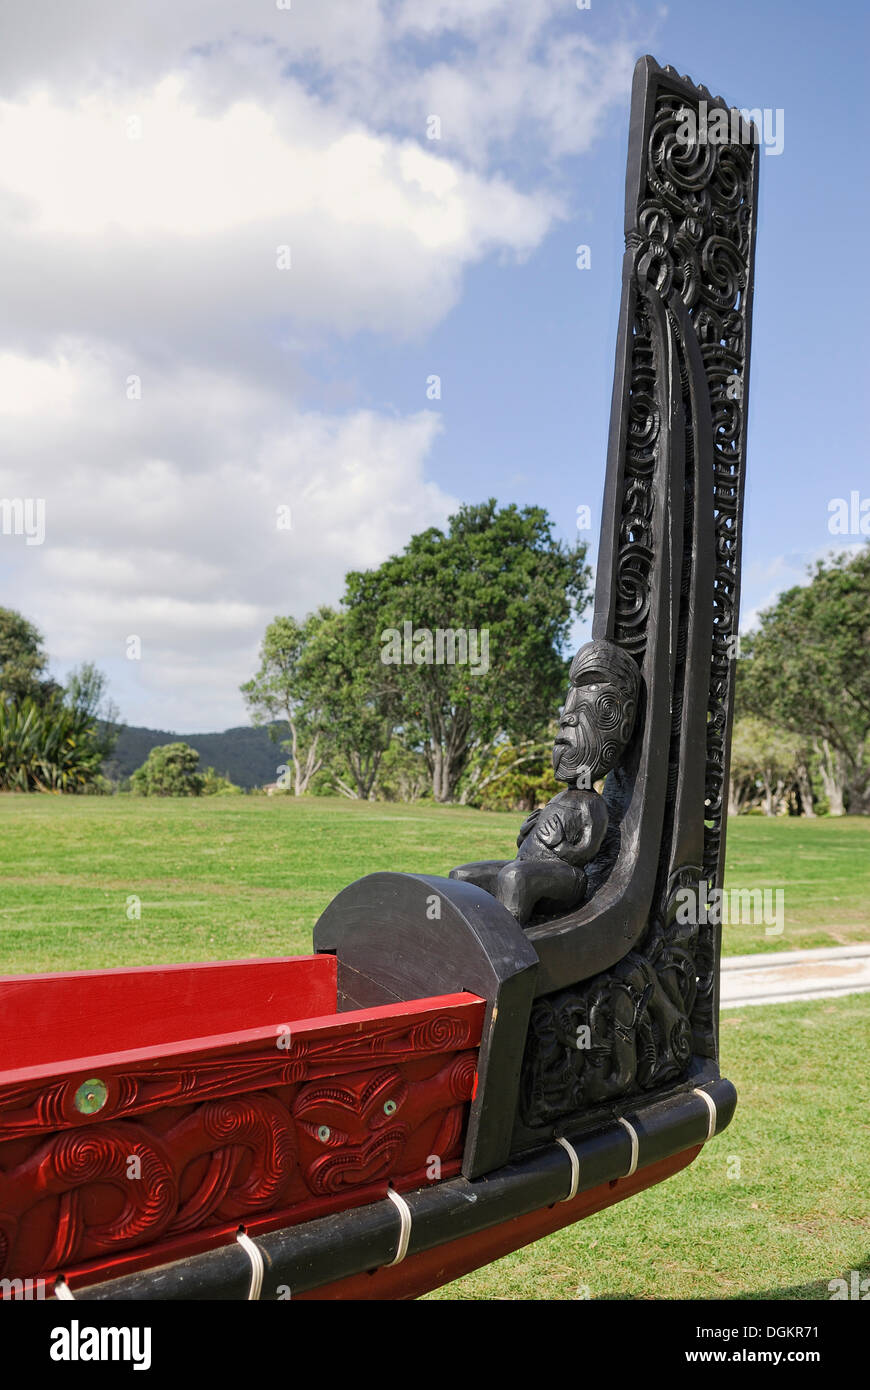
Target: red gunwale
[(86, 1013), (330, 1025)]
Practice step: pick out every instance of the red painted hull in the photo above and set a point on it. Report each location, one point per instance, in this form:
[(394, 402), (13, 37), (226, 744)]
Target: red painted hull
[(146, 1114)]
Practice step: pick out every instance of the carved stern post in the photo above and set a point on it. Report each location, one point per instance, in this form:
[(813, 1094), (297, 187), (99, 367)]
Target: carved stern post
[(628, 984), (624, 971)]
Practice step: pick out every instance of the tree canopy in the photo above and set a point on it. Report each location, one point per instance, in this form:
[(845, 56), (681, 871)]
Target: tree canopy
[(495, 587), (170, 770), (809, 671), (51, 738), (22, 660)]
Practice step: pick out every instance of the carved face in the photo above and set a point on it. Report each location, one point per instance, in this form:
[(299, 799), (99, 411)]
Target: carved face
[(598, 717), (351, 1132)]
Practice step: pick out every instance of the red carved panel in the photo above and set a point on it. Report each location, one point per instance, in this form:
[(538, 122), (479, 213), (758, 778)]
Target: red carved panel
[(139, 1156)]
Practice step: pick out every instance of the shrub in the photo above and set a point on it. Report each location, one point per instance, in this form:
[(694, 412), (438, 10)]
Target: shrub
[(48, 746), (216, 785), (169, 770)]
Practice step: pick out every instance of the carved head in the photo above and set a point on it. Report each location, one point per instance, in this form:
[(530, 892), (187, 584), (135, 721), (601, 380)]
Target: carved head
[(351, 1130), (598, 717)]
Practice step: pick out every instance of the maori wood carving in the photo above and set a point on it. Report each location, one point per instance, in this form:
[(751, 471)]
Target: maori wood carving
[(667, 594), (547, 876), (183, 1149), (624, 981)]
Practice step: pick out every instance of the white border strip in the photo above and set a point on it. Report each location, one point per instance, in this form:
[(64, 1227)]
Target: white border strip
[(711, 1106), (635, 1146), (575, 1168), (258, 1269), (404, 1229)]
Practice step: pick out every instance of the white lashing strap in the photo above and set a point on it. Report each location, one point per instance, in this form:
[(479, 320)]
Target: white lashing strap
[(711, 1106), (635, 1145), (63, 1291), (404, 1229), (575, 1168), (258, 1269)]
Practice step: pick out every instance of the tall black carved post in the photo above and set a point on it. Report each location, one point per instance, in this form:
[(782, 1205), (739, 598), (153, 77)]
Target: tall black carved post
[(593, 944), (628, 983)]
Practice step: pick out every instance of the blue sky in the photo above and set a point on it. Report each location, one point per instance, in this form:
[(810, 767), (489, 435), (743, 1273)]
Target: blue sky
[(526, 358), (147, 253)]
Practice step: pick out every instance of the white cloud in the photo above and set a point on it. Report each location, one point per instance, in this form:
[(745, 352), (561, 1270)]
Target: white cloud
[(189, 556), (176, 235), (154, 160), (496, 71)]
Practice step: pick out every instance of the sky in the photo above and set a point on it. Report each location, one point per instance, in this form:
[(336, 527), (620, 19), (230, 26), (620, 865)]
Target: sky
[(239, 239)]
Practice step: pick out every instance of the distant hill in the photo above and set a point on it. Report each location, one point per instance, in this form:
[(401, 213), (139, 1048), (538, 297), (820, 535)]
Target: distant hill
[(249, 757)]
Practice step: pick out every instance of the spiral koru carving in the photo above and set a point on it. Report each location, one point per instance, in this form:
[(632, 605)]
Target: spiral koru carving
[(463, 1074), (123, 1157), (260, 1127), (441, 1034)]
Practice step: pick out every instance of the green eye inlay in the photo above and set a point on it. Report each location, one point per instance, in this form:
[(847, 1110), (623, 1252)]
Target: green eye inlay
[(91, 1096), (389, 1107), (323, 1133)]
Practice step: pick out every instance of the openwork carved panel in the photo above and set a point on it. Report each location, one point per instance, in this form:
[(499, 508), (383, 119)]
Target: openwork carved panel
[(687, 288)]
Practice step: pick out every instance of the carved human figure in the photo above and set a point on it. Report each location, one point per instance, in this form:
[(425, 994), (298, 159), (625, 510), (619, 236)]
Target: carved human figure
[(547, 877)]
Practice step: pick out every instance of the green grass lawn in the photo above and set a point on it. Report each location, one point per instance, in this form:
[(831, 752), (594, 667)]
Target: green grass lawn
[(225, 877), (796, 1217)]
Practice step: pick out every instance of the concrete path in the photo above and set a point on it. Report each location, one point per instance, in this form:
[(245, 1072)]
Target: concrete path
[(778, 977)]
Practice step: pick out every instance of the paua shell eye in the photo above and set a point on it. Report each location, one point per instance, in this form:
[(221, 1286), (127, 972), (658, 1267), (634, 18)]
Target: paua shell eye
[(390, 1107), (323, 1133)]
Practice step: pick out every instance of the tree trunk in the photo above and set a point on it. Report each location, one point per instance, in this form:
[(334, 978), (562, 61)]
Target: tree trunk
[(805, 788), (442, 782), (303, 770), (830, 769), (742, 793), (858, 789), (733, 798), (365, 772), (739, 795), (447, 750), (768, 797)]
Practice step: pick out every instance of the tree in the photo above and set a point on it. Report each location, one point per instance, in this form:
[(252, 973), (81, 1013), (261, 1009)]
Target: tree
[(86, 691), (511, 776), (810, 672), (281, 690), (473, 622), (170, 770), (403, 774), (22, 660), (764, 765), (354, 695)]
